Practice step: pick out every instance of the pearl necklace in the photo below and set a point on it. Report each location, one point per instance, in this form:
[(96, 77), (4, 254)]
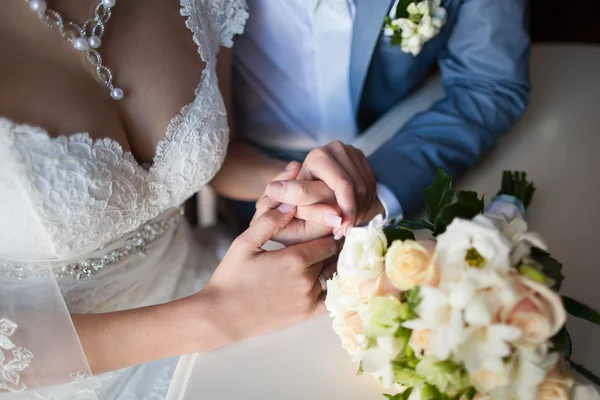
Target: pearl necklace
[(85, 38)]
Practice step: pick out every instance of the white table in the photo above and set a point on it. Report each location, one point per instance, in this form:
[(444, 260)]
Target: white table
[(557, 143)]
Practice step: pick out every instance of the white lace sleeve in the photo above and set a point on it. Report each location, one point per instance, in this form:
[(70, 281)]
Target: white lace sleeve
[(41, 356), (214, 23)]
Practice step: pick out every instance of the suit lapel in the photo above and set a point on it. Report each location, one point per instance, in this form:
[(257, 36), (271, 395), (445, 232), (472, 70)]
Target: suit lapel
[(368, 22)]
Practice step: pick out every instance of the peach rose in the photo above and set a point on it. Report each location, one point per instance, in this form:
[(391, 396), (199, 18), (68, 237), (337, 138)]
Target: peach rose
[(558, 384), (538, 312), (354, 322), (349, 341), (420, 341), (409, 263), (364, 290), (486, 380)]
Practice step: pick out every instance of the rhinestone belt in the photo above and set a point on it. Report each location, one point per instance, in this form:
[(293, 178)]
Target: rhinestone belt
[(136, 243)]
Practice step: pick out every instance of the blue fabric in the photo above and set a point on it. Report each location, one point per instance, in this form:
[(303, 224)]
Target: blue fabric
[(483, 54)]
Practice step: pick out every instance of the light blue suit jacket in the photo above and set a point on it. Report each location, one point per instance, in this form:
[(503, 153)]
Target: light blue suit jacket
[(483, 55)]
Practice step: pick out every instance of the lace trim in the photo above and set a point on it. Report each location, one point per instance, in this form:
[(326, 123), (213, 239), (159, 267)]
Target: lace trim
[(229, 16), (11, 369)]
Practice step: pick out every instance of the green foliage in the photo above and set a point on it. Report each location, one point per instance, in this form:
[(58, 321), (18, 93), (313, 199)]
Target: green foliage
[(515, 183), (580, 310), (401, 10), (396, 232), (438, 195), (550, 267), (562, 342)]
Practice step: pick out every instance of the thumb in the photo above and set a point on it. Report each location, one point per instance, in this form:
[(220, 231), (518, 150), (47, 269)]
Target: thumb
[(266, 226)]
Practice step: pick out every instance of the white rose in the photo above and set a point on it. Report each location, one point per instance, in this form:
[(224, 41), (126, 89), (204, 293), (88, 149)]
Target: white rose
[(363, 252), (337, 302), (475, 245), (410, 263)]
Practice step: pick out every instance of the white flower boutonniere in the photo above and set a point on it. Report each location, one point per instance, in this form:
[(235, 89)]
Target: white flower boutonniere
[(415, 25)]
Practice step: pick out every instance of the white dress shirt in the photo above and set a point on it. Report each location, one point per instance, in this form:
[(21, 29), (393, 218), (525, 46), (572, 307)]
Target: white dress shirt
[(293, 67)]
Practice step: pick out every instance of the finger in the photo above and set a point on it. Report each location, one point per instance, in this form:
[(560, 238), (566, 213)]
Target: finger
[(304, 255), (368, 181), (291, 171), (300, 192), (349, 158), (262, 205), (266, 226), (327, 272), (321, 164), (320, 214)]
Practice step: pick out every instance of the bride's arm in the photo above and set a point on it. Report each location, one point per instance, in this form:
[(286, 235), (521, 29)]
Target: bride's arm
[(246, 170), (248, 295), (119, 339)]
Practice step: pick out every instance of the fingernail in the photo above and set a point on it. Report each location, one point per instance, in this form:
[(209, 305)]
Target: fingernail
[(349, 229), (338, 235), (285, 208), (290, 166), (333, 220), (275, 190)]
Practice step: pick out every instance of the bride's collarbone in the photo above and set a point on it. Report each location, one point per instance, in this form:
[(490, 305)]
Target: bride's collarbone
[(50, 85)]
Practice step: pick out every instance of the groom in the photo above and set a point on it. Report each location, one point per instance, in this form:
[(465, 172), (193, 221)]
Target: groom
[(308, 72)]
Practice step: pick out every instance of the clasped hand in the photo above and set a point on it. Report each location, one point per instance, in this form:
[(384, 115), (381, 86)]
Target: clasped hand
[(333, 190)]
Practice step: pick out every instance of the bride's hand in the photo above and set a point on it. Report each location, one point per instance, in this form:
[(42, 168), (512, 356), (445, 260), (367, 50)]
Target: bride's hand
[(334, 181), (257, 291)]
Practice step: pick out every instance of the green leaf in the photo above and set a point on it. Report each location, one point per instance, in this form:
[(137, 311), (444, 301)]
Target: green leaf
[(586, 373), (401, 11), (400, 396), (580, 310), (515, 183), (562, 342), (395, 232), (396, 40), (467, 205), (550, 267), (416, 224), (438, 195)]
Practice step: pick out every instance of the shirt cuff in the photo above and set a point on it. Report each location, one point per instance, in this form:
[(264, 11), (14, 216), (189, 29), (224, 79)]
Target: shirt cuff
[(390, 203)]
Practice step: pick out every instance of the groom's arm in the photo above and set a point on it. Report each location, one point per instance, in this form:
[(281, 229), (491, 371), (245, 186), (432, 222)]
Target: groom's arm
[(485, 72)]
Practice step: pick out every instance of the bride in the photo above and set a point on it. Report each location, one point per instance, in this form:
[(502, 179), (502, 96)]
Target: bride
[(100, 275)]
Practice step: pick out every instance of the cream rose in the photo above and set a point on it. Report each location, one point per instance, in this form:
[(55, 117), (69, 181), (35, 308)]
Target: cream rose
[(537, 311), (409, 263)]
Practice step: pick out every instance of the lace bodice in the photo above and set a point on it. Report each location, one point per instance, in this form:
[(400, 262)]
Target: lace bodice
[(69, 202), (73, 195)]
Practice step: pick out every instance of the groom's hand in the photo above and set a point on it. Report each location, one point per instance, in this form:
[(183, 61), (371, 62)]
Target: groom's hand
[(311, 222), (336, 175)]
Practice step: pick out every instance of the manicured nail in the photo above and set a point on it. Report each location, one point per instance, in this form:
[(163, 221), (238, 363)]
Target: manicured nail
[(291, 166), (275, 190), (349, 229), (338, 234), (285, 208), (333, 220)]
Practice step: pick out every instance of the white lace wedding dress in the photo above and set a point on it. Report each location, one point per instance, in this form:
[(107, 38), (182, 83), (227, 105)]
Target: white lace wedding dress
[(86, 229)]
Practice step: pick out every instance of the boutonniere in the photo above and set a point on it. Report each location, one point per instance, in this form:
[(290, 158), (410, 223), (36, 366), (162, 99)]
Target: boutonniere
[(415, 24)]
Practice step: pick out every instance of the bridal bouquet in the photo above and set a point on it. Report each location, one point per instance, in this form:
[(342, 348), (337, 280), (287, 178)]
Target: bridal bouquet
[(470, 312)]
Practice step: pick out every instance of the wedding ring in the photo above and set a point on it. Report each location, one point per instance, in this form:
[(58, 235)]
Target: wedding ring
[(323, 283)]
